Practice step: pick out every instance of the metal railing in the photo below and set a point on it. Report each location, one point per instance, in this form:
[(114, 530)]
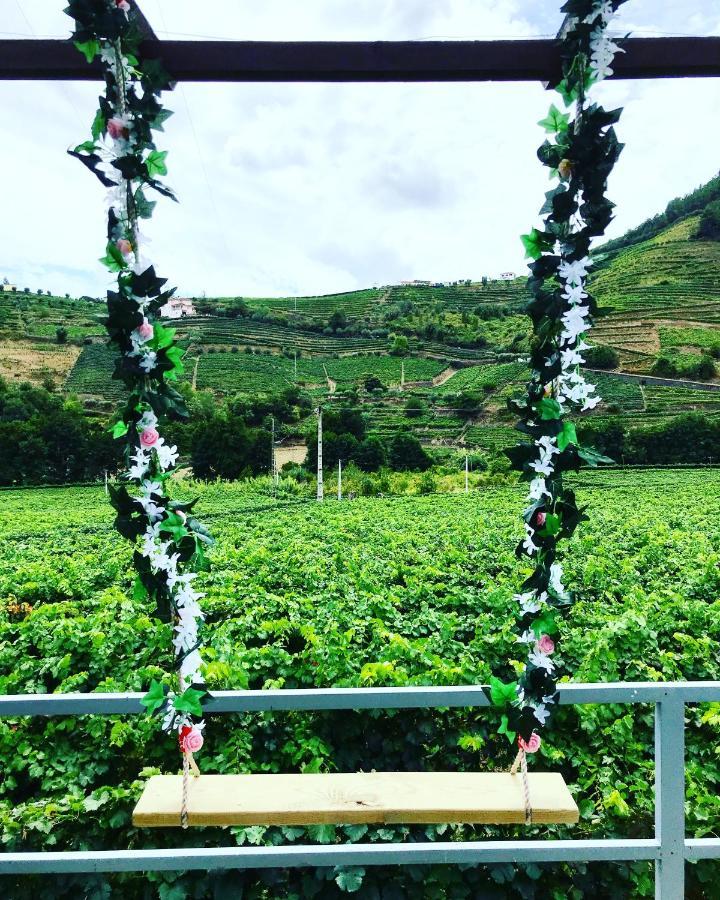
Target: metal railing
[(669, 849)]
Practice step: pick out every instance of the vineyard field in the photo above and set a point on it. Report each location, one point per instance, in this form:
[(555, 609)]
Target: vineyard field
[(411, 590)]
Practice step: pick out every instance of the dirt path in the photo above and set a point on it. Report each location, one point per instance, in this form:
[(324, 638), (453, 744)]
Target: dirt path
[(292, 453), (332, 385), (444, 376)]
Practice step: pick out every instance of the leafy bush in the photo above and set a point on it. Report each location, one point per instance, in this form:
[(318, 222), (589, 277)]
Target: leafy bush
[(602, 357), (372, 592)]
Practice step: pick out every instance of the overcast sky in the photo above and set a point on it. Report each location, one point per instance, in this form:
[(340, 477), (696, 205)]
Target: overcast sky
[(318, 188)]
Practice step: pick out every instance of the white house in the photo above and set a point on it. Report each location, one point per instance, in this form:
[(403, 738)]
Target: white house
[(507, 276), (177, 308), (7, 287)]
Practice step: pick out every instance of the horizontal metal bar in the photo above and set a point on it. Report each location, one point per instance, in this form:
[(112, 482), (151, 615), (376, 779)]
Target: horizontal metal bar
[(403, 61), (702, 848), (421, 697), (300, 855)]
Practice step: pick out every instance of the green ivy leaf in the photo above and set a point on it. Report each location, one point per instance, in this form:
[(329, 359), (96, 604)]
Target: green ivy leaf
[(155, 163), (113, 259), (551, 526), (545, 624), (99, 124), (349, 878), (119, 429), (155, 697), (89, 49), (189, 702), (555, 120), (504, 729), (502, 694), (162, 337), (567, 436), (536, 243), (549, 408), (175, 355)]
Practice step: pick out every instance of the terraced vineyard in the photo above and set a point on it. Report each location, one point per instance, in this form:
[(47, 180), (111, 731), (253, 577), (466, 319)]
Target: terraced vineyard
[(92, 374), (670, 277), (485, 378), (217, 331), (355, 304), (509, 294)]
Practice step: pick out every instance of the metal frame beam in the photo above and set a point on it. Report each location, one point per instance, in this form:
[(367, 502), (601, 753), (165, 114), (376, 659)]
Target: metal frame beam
[(365, 61), (669, 849)]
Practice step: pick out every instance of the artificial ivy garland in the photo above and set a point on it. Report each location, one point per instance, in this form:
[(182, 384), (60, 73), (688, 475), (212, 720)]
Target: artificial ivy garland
[(169, 541), (580, 155)]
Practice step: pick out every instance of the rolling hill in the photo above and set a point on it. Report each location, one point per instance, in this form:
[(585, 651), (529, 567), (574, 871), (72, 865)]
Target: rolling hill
[(455, 348)]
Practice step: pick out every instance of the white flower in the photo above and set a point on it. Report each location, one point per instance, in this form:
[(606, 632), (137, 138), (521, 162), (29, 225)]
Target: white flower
[(574, 293), (574, 272), (140, 464), (152, 510), (556, 581), (167, 456), (528, 546), (526, 638), (540, 712), (151, 487), (190, 668), (541, 661), (538, 489), (149, 361)]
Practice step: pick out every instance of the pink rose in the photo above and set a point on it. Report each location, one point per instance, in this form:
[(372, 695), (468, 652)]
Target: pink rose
[(531, 746), (124, 246), (149, 437), (540, 519), (191, 740), (144, 331), (546, 644), (116, 127), (123, 5)]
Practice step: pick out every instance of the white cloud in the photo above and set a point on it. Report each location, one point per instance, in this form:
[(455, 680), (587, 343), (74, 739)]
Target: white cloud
[(311, 188)]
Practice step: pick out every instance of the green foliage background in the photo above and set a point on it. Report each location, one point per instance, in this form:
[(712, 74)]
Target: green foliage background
[(374, 592)]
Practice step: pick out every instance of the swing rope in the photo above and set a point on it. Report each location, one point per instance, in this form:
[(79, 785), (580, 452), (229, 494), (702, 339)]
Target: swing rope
[(521, 762)]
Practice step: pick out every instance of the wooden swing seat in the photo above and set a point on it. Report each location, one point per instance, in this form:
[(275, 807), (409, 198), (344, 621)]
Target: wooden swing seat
[(488, 798)]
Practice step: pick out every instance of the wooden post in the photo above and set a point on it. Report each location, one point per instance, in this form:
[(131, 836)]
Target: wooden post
[(273, 467)]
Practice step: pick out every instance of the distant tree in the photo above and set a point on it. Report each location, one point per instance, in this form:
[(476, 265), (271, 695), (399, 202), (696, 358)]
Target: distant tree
[(709, 227), (406, 453), (337, 320), (372, 383), (415, 408), (602, 357), (399, 346), (371, 454), (61, 334)]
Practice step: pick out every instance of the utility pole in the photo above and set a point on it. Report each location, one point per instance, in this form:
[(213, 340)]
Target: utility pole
[(273, 473), (106, 484), (402, 374), (467, 488), (320, 491), (296, 364), (339, 479)]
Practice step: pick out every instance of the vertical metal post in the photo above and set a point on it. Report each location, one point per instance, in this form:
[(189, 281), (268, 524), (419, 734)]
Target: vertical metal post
[(272, 450), (670, 798), (402, 374), (339, 479), (467, 486), (320, 490)]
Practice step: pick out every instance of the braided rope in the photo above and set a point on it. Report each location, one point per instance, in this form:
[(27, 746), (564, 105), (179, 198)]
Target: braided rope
[(185, 789), (521, 762)]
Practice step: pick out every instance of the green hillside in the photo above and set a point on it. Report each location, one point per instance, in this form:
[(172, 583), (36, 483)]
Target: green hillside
[(455, 350)]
